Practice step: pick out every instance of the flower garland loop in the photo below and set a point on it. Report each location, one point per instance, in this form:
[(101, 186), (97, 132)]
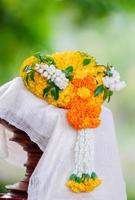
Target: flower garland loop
[(74, 81)]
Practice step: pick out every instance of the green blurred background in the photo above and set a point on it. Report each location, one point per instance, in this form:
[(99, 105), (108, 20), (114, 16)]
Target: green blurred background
[(103, 28)]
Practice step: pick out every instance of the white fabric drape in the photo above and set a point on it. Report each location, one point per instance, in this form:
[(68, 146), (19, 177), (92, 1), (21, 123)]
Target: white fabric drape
[(9, 150), (47, 126)]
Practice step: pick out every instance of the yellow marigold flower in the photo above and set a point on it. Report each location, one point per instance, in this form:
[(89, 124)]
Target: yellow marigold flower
[(70, 183), (74, 189), (98, 182), (82, 187), (92, 183), (28, 61), (83, 92), (89, 189)]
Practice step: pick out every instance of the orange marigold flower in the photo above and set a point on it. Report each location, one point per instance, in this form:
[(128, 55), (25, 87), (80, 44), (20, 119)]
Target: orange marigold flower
[(82, 114), (88, 82)]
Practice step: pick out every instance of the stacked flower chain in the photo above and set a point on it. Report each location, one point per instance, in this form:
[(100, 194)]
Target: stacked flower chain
[(74, 81)]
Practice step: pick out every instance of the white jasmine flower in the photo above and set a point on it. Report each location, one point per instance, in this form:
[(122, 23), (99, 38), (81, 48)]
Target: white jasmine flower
[(58, 72), (40, 70), (106, 81), (48, 77), (58, 80), (120, 85), (113, 82), (53, 77), (115, 74), (112, 87), (37, 67), (45, 74), (44, 67)]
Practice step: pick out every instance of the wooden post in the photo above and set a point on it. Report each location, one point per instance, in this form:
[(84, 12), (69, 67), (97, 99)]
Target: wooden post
[(18, 191)]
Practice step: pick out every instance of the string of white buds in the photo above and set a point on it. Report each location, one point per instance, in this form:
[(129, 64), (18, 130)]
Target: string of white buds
[(89, 151), (84, 152), (53, 74)]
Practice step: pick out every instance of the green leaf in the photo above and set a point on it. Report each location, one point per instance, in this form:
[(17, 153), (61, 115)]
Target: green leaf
[(26, 78), (68, 70), (78, 180), (105, 94), (73, 177), (87, 176), (44, 58), (55, 92), (47, 59), (70, 77), (32, 75), (37, 54), (98, 90), (93, 175), (27, 68), (107, 67), (108, 70), (50, 82), (46, 91), (24, 69), (110, 93), (86, 61), (50, 61), (110, 74)]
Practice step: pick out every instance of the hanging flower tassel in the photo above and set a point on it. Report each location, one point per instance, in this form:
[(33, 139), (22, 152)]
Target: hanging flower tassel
[(84, 178)]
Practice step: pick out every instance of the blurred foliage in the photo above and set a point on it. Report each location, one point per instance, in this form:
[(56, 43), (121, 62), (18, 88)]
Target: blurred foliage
[(26, 26), (90, 9), (2, 187)]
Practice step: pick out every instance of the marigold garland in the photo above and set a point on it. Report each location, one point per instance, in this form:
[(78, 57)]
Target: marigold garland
[(83, 85), (74, 81)]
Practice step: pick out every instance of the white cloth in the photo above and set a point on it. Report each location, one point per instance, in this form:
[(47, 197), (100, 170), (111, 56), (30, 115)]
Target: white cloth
[(47, 126), (9, 150)]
